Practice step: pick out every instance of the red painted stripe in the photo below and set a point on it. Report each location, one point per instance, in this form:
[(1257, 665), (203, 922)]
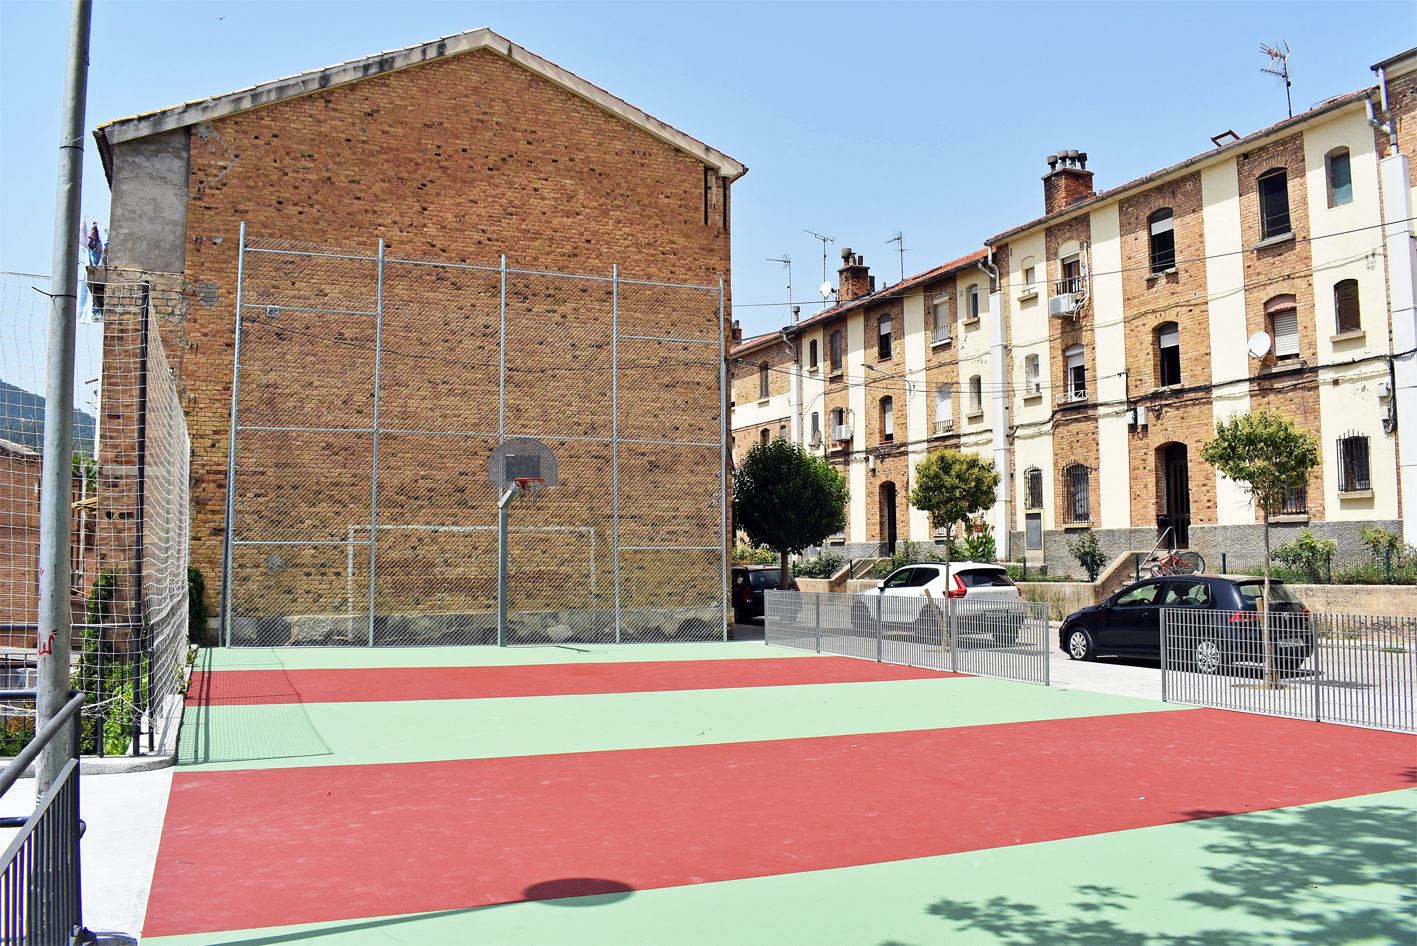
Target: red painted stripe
[(247, 687), (259, 848)]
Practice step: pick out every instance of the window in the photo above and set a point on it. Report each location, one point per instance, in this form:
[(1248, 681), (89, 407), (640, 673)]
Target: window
[(1168, 349), (836, 351), (838, 423), (1071, 268), (763, 380), (1033, 531), (1187, 594), (976, 395), (1033, 488), (1163, 240), (1077, 482), (1031, 383), (763, 436), (887, 419), (884, 349), (1340, 178), (1030, 274), (1353, 463), (781, 431), (1077, 373), (1284, 325), (940, 331), (812, 353), (972, 303), (1345, 305), (816, 427), (1274, 203), (944, 408), (1295, 502), (1142, 596)]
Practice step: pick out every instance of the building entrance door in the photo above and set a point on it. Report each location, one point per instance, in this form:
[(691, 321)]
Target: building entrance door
[(888, 529), (1177, 510)]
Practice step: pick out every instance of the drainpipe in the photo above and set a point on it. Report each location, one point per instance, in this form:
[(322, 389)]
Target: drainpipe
[(998, 405), (794, 397), (1401, 266)]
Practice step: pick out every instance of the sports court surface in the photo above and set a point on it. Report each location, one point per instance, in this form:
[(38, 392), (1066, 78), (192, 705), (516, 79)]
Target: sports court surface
[(738, 793)]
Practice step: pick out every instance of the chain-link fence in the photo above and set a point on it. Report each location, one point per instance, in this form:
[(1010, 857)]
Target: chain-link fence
[(1008, 640), (371, 391), (1355, 669), (129, 521)]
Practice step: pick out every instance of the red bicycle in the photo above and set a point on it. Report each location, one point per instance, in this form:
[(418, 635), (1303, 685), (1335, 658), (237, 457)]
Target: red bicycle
[(1178, 563)]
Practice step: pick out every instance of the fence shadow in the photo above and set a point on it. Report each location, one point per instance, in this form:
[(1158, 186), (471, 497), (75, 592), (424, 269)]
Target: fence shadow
[(1314, 875)]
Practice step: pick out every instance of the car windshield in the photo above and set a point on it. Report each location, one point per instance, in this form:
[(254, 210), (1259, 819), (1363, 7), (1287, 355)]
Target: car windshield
[(766, 578), (985, 578), (1252, 591)]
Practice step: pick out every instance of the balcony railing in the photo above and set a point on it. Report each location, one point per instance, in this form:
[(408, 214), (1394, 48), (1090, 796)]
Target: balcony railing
[(939, 334), (1071, 284), (944, 426)]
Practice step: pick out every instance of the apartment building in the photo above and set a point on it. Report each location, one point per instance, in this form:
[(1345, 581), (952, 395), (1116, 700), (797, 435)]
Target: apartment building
[(1102, 341)]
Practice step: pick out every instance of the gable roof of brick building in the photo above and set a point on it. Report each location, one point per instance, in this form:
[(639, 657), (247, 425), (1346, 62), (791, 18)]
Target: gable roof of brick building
[(355, 70)]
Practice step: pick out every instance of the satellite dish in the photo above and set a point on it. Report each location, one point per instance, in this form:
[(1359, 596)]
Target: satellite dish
[(1259, 344), (825, 289)]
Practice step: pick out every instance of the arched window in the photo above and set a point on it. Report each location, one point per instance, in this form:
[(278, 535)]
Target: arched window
[(971, 303), (1077, 486), (836, 351), (1340, 177), (763, 380), (816, 428), (812, 353), (1029, 272), (763, 436), (1168, 354), (976, 394), (1282, 313), (1163, 240), (1032, 383), (1077, 373), (1274, 203), (1345, 305), (887, 419)]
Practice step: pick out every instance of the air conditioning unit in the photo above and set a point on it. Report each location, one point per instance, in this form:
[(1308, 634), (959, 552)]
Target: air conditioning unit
[(841, 432), (1063, 306)]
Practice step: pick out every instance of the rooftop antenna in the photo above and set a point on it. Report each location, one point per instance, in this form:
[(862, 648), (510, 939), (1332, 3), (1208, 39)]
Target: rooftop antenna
[(1279, 66), (786, 261), (898, 239), (826, 286)]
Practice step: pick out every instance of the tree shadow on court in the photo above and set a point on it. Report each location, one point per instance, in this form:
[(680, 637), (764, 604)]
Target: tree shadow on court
[(1316, 874)]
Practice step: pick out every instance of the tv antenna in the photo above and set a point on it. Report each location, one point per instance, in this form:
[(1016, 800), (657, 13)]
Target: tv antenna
[(786, 261), (900, 240), (1279, 66), (825, 288)]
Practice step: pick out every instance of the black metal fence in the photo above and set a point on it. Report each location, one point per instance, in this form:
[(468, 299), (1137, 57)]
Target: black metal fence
[(40, 900), (1354, 669)]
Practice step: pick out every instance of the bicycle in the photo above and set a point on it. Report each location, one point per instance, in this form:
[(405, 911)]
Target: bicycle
[(1178, 563)]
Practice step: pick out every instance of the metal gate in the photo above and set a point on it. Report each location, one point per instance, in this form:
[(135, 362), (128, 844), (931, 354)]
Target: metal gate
[(368, 394)]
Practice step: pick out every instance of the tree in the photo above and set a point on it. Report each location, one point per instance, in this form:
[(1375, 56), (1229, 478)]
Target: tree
[(787, 499), (951, 486), (1269, 457)]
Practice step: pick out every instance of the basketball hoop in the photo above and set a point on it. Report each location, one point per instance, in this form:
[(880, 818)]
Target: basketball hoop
[(525, 483)]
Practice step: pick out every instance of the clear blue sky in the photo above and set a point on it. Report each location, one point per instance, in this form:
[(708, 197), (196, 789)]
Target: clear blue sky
[(855, 119)]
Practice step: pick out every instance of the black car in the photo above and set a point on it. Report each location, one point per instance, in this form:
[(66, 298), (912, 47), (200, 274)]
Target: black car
[(1220, 624), (749, 583)]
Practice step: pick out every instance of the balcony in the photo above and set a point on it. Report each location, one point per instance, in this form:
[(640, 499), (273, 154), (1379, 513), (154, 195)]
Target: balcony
[(943, 427), (1075, 396), (1073, 284), (939, 335)]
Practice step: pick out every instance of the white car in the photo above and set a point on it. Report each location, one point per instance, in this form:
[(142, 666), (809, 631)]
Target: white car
[(917, 595)]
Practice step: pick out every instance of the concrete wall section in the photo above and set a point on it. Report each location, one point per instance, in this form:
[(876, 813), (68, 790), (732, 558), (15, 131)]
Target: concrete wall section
[(148, 222), (856, 401), (1113, 466)]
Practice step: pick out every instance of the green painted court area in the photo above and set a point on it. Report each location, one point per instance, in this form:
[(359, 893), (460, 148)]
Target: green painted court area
[(864, 810)]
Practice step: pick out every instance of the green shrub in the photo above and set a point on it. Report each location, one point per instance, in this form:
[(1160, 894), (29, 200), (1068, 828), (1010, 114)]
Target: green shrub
[(744, 554), (196, 605), (1088, 551), (979, 541), (1307, 557), (823, 566)]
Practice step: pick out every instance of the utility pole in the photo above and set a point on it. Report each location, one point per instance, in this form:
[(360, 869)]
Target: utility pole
[(54, 622)]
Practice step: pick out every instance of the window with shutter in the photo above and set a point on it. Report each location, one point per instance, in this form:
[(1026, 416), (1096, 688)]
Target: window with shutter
[(887, 419), (1345, 304), (1286, 334), (1077, 373), (1274, 203), (763, 380), (1340, 178), (884, 350), (976, 395), (1163, 240), (1168, 344)]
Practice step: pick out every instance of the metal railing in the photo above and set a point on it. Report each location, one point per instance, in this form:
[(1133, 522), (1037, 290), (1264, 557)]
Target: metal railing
[(40, 901), (1354, 669), (1008, 640)]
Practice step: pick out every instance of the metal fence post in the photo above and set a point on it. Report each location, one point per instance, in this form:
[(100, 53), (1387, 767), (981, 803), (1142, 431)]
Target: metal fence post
[(144, 664), (880, 618), (817, 607), (1136, 565), (374, 470), (615, 433), (227, 566), (1165, 667), (1224, 565)]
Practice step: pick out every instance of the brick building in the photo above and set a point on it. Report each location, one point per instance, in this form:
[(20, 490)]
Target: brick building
[(465, 149), (1115, 330)]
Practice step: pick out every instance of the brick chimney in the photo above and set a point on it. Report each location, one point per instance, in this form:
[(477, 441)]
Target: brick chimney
[(853, 279), (1068, 181)]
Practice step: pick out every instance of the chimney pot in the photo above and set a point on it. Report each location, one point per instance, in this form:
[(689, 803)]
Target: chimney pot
[(1052, 160), (854, 278), (846, 254)]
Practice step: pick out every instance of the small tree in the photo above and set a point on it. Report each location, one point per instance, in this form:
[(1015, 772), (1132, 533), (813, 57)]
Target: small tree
[(1270, 457), (951, 486), (787, 499)]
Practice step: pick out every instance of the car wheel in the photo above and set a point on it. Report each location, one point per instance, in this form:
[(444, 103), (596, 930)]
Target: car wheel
[(1207, 657), (1080, 645)]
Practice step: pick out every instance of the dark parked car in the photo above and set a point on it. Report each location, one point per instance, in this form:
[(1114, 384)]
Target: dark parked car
[(749, 583), (1221, 625)]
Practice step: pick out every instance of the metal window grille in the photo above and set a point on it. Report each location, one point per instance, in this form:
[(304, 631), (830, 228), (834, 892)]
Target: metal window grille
[(1295, 502), (1033, 488), (1353, 463), (1274, 203), (1078, 479), (357, 510)]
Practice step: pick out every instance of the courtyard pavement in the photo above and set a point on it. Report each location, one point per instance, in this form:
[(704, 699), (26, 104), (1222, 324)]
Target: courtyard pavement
[(740, 793)]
